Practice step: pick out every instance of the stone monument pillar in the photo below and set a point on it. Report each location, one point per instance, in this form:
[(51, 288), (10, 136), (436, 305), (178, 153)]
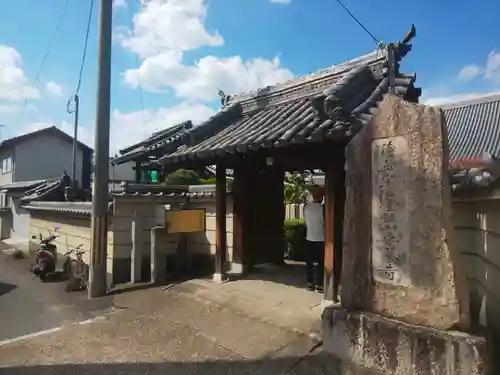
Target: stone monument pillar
[(404, 300)]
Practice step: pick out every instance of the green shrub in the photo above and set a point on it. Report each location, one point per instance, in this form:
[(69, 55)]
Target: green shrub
[(207, 181), (212, 180), (183, 177), (294, 238)]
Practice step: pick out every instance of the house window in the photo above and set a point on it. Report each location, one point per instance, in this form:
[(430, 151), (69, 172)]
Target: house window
[(7, 164)]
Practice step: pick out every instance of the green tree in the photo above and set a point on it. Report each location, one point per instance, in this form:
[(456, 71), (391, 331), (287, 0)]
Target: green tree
[(295, 188), (182, 177)]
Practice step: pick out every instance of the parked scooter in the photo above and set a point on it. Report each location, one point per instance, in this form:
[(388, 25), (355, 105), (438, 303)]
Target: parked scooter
[(46, 256)]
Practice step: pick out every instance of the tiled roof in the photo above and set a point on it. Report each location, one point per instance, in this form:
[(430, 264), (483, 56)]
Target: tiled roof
[(69, 208), (158, 143), (53, 191), (333, 104), (157, 190), (52, 130), (22, 185), (473, 127)]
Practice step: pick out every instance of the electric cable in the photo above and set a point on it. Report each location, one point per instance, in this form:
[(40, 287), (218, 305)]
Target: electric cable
[(84, 56), (139, 85), (378, 42), (47, 52)]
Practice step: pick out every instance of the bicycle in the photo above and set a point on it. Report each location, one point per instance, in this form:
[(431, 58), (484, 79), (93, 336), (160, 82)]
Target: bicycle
[(77, 270)]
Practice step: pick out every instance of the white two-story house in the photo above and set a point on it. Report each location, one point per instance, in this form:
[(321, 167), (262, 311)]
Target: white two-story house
[(29, 160)]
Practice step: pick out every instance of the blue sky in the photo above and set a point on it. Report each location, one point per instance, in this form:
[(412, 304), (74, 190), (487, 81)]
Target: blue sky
[(181, 51)]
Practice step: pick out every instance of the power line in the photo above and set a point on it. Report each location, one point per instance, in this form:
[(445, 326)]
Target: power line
[(141, 92), (58, 25), (84, 56), (139, 85), (377, 41), (76, 97), (47, 52)]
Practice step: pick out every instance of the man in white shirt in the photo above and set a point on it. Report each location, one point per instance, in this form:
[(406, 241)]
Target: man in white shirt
[(314, 218)]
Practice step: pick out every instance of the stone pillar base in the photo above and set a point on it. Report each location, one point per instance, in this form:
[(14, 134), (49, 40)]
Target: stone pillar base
[(368, 344), (219, 278)]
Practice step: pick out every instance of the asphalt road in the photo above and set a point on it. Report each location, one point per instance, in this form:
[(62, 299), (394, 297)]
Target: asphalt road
[(28, 306)]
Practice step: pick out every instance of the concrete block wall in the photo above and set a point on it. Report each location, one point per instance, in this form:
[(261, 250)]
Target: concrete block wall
[(477, 225), (72, 232), (5, 224), (76, 230), (204, 243), (123, 216)]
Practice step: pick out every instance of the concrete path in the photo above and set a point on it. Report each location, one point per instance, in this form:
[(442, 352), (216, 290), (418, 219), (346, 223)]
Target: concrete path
[(28, 306), (167, 331)]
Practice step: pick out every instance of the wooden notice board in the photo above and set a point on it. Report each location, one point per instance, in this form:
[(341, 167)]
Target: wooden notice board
[(185, 221)]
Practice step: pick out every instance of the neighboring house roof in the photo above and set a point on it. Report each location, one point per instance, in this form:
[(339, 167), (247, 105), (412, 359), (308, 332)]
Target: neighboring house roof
[(157, 190), (68, 208), (53, 191), (22, 185), (157, 144), (11, 142), (330, 104), (473, 127)]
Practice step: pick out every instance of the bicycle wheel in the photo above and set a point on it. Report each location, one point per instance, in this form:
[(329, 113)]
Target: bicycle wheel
[(80, 273), (78, 269)]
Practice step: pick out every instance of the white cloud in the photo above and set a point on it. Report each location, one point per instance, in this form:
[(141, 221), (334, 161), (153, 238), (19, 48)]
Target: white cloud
[(164, 30), (118, 4), (492, 67), (447, 99), (164, 25), (454, 92), (202, 80), (280, 1), (490, 71), (132, 127), (13, 83), (54, 89), (8, 109), (128, 128), (469, 72)]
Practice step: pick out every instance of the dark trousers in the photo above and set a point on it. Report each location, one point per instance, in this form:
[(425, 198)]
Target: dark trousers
[(315, 262)]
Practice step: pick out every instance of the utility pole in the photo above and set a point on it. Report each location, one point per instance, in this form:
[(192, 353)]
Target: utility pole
[(76, 98), (1, 128), (99, 225)]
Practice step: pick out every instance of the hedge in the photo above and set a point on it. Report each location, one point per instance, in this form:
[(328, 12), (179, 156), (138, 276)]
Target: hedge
[(294, 239)]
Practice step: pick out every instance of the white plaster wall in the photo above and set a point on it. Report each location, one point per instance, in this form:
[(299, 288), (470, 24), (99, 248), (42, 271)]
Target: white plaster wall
[(45, 156), (73, 232), (201, 243), (477, 227), (124, 208), (123, 172), (6, 178)]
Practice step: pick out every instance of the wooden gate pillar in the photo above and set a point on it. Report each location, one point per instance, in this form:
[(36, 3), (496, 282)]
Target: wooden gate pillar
[(334, 224), (240, 221), (220, 223)]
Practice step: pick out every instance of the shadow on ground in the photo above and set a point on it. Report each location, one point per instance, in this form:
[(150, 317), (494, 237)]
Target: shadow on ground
[(320, 363), (6, 288), (56, 277), (289, 273)]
